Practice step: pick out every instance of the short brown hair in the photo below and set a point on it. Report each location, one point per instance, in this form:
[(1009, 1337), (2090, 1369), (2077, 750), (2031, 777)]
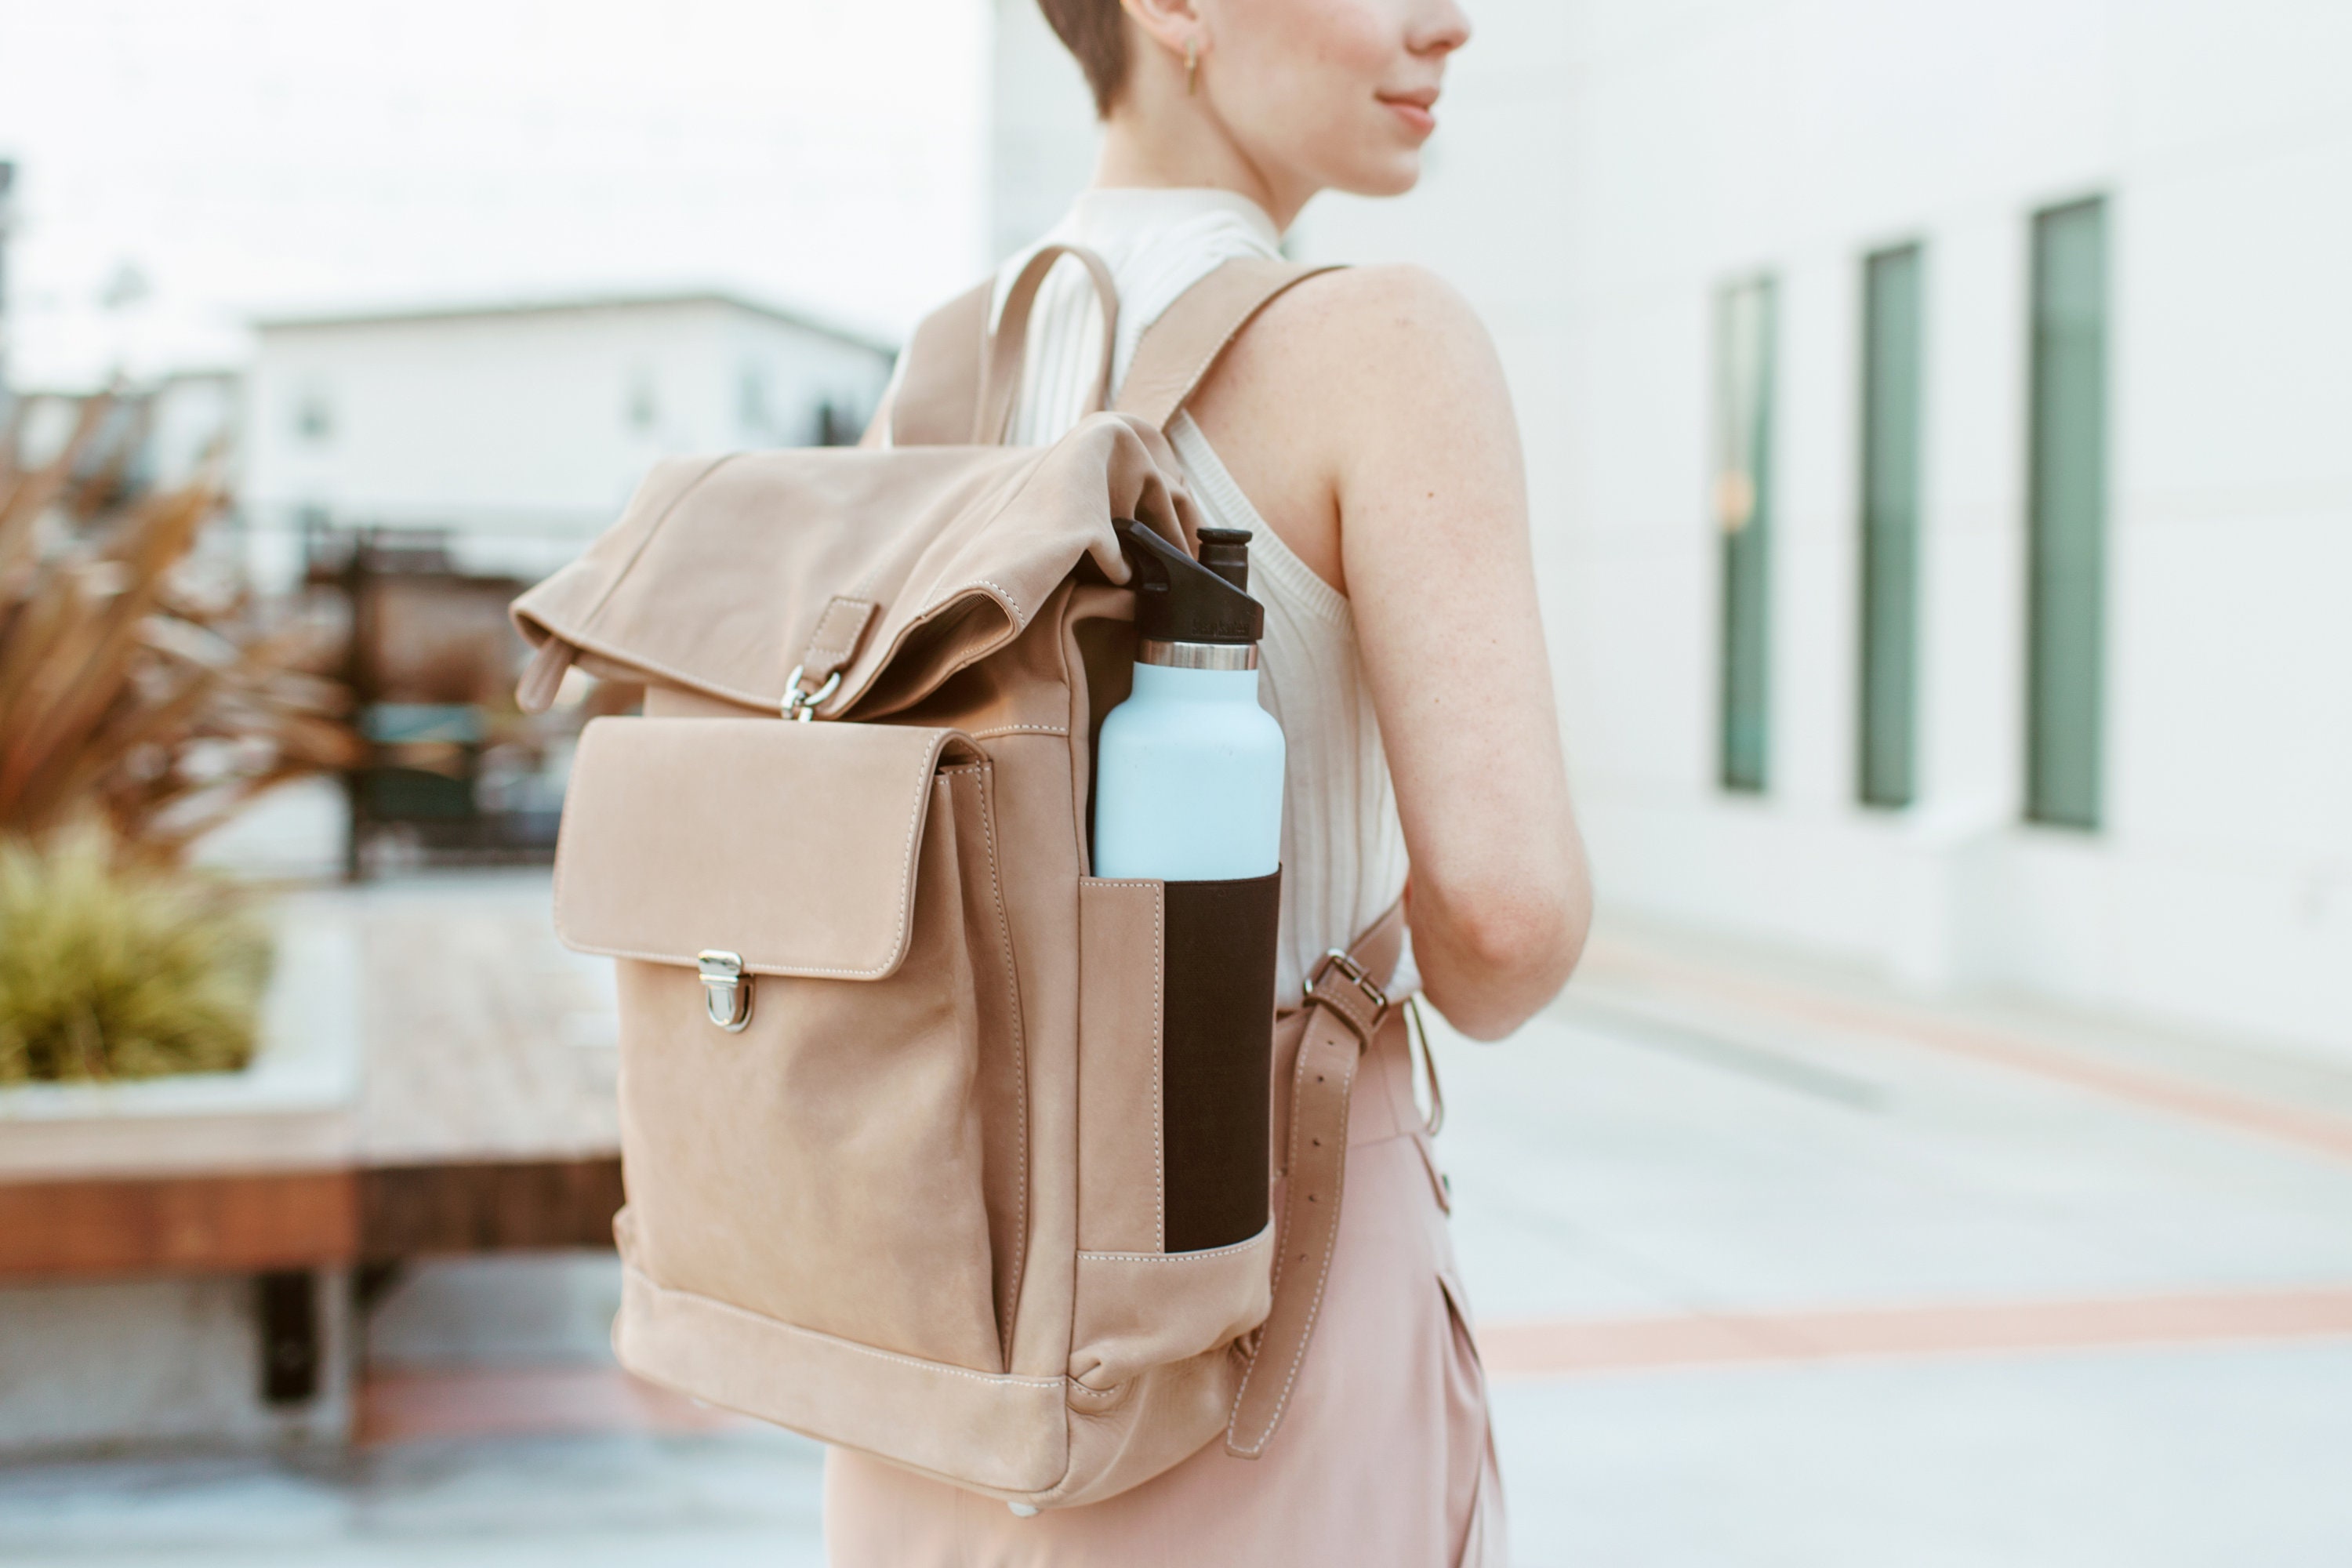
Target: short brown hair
[(1096, 31)]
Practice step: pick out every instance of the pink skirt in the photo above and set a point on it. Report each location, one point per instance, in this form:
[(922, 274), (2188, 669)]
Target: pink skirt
[(1384, 1458)]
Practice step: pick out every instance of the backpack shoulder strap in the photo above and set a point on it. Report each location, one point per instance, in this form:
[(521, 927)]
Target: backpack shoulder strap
[(1347, 1007), (938, 399), (1183, 345), (962, 373)]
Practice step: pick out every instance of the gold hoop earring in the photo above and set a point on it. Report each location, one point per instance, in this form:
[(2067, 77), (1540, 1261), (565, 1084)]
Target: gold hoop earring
[(1192, 65)]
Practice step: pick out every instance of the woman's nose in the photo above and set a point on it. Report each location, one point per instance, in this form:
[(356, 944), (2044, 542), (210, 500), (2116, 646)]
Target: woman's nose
[(1443, 27)]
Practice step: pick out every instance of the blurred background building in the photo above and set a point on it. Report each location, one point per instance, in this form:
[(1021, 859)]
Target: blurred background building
[(515, 433), (425, 465), (409, 472), (1934, 424), (430, 319)]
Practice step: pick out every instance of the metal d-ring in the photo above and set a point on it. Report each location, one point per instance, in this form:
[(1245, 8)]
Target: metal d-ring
[(802, 705)]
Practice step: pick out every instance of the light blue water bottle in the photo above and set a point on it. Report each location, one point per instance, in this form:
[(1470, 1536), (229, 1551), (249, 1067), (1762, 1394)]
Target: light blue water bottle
[(1188, 784)]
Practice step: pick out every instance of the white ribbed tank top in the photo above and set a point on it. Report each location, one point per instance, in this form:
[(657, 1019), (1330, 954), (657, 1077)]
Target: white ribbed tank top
[(1342, 846)]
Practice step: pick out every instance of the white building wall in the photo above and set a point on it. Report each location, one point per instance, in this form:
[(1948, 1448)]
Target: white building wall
[(525, 430), (1604, 168), (193, 425)]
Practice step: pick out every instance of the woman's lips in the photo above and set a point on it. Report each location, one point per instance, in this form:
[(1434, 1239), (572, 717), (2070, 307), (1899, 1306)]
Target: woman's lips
[(1414, 109)]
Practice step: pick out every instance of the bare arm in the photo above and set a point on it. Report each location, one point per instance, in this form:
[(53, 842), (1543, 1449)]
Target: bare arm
[(1367, 414)]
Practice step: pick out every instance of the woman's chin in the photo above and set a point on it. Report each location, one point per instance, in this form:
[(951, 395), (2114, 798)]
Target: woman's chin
[(1391, 174)]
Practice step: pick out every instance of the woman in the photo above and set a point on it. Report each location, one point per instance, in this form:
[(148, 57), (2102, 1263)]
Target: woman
[(1361, 429)]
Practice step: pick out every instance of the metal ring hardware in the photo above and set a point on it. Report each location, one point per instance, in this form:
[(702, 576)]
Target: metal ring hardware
[(802, 705), (1355, 974), (1196, 655), (726, 989)]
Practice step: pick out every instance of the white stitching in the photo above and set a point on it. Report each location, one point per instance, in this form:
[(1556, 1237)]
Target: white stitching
[(1017, 730), (682, 960), (1282, 1228), (1010, 597), (1262, 1238), (917, 1361), (906, 900), (819, 652), (889, 654), (915, 813), (1323, 1274), (1159, 962)]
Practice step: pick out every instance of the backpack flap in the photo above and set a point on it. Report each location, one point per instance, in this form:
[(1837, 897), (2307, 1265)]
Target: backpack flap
[(893, 569), (791, 848)]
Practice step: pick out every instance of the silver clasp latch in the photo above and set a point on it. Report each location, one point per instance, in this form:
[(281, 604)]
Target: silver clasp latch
[(802, 705), (726, 989)]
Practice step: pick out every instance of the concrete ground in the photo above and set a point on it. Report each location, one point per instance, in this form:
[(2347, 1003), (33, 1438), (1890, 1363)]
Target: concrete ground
[(1770, 1267)]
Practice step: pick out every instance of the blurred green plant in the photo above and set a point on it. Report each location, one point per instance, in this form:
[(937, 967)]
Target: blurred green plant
[(114, 966), (145, 696), (133, 681)]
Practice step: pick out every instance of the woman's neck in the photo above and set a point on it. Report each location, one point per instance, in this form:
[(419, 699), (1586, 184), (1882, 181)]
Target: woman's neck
[(1155, 139)]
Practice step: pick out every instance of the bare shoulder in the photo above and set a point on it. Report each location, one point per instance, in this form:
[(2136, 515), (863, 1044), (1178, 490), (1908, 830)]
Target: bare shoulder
[(1356, 360), (1359, 383), (1376, 325), (1393, 298)]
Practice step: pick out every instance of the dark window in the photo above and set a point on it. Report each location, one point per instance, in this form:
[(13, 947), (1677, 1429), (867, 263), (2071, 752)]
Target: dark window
[(1743, 507), (314, 415), (1890, 373), (2068, 502), (751, 399)]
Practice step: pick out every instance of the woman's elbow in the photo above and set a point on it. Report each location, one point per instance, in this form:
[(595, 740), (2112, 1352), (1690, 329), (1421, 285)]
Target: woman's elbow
[(1529, 945), (1576, 924), (1506, 954)]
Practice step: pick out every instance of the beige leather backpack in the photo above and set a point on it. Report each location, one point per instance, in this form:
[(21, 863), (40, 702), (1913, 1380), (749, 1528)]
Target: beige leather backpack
[(918, 1154)]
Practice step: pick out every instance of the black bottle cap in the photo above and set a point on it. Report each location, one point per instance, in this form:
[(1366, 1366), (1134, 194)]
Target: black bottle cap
[(1226, 552), (1179, 599)]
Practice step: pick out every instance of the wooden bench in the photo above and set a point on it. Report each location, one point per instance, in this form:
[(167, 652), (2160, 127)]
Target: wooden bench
[(485, 1124)]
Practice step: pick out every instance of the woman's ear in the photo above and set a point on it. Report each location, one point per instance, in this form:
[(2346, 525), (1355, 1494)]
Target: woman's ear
[(1174, 25)]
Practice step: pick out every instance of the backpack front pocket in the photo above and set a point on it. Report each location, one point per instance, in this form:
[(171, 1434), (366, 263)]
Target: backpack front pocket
[(820, 1091)]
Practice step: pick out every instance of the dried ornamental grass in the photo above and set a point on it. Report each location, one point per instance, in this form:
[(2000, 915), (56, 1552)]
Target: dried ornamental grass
[(128, 681), (113, 967)]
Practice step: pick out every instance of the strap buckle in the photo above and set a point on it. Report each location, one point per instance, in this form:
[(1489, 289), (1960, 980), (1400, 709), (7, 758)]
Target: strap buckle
[(1362, 1009), (802, 705)]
